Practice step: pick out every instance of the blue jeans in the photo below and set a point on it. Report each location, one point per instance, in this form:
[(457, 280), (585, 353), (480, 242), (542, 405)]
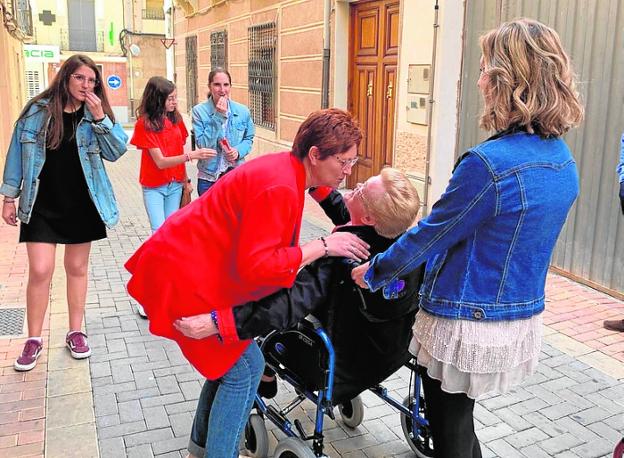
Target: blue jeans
[(161, 201), (224, 405), (203, 185)]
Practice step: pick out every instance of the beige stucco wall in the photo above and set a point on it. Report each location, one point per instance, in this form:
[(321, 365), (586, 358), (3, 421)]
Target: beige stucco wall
[(11, 87), (417, 49), (298, 57)]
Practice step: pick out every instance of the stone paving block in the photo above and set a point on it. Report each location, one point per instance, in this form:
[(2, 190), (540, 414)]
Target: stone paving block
[(107, 420), (534, 451), (105, 404), (116, 345), (572, 426), (190, 390), (140, 451), (591, 415), (567, 454), (114, 388), (168, 384), (170, 445), (186, 406), (560, 443), (514, 420), (68, 410), (122, 429), (80, 439), (181, 424), (560, 410), (616, 422), (112, 448), (162, 400), (156, 417), (484, 416), (530, 405), (137, 394), (501, 447), (524, 438), (594, 449), (148, 437), (605, 431), (136, 349), (490, 433), (386, 449), (130, 411), (100, 369), (122, 373)]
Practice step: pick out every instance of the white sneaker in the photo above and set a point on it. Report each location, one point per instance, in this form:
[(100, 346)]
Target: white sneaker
[(141, 311)]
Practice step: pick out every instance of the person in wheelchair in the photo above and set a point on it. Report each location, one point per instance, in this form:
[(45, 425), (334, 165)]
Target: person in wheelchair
[(370, 334)]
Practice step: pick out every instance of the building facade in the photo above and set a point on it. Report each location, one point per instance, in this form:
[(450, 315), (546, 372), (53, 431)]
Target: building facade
[(16, 29), (407, 69)]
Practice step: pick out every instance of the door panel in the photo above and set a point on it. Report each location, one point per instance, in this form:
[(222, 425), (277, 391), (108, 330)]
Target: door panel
[(372, 82)]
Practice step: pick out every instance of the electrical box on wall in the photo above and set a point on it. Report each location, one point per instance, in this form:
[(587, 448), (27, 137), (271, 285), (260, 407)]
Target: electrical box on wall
[(417, 107), (418, 79)]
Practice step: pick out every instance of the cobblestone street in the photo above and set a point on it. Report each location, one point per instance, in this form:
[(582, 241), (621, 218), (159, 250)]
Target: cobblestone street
[(136, 395)]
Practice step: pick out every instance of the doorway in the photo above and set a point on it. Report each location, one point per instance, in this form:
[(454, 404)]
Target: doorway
[(373, 57)]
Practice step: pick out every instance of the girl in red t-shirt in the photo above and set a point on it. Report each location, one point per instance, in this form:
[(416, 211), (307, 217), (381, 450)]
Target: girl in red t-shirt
[(160, 135)]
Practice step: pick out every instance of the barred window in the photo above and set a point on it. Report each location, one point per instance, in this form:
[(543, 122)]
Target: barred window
[(218, 49), (33, 84), (262, 44)]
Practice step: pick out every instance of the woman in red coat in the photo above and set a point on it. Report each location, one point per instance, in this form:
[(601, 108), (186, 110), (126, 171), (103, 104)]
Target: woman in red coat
[(239, 243)]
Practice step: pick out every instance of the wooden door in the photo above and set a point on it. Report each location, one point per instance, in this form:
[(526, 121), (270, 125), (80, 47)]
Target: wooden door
[(374, 32)]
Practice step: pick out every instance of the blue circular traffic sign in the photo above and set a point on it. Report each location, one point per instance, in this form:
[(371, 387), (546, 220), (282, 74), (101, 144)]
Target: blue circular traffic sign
[(113, 81)]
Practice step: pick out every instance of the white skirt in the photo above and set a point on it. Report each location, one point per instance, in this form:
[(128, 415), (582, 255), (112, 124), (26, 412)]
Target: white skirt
[(477, 357)]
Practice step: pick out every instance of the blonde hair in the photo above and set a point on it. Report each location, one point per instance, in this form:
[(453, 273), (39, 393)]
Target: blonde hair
[(531, 81), (397, 207)]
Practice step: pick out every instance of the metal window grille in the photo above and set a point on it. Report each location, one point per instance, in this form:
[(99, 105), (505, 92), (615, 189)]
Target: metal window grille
[(156, 14), (218, 49), (33, 83), (191, 72), (262, 47)]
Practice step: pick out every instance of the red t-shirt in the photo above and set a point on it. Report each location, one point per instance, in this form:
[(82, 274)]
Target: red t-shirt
[(170, 140)]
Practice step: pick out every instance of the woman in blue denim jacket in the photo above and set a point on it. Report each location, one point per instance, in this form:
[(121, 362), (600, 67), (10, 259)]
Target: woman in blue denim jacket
[(488, 240), (224, 128), (54, 166)]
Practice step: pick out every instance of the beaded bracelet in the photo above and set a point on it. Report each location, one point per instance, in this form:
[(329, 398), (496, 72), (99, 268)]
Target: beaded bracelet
[(215, 320), (322, 239)]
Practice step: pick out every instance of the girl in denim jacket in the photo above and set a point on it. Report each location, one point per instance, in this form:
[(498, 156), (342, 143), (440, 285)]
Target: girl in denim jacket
[(54, 165), (489, 239)]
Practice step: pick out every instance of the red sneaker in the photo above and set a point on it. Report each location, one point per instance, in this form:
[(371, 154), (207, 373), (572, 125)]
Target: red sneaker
[(30, 353), (78, 344)]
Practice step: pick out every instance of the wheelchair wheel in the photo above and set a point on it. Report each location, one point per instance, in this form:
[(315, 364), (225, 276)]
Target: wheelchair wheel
[(293, 447), (352, 413), (256, 437), (618, 452), (422, 444)]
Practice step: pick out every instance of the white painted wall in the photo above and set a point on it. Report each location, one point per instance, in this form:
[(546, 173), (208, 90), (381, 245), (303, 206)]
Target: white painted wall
[(446, 94)]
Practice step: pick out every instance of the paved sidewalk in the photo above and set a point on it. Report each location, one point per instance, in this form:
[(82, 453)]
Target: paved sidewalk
[(136, 395)]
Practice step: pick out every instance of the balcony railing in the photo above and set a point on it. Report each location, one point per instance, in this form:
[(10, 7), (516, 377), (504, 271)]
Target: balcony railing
[(82, 40), (156, 14)]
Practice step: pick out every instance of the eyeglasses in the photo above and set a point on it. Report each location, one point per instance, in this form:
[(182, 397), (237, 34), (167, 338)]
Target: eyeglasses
[(82, 78), (359, 192), (346, 163)]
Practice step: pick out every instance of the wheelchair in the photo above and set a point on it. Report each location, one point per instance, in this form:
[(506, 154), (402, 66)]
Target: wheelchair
[(304, 358)]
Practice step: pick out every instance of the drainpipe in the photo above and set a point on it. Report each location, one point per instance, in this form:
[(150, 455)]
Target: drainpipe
[(326, 54), (168, 8), (436, 25)]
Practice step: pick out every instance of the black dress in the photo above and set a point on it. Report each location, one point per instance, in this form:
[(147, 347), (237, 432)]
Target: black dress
[(63, 210)]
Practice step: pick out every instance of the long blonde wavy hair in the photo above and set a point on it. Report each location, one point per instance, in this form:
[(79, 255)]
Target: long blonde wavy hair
[(531, 84)]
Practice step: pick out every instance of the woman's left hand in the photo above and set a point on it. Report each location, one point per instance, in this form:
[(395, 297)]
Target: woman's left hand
[(188, 186), (358, 273), (94, 104), (197, 326), (232, 155)]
